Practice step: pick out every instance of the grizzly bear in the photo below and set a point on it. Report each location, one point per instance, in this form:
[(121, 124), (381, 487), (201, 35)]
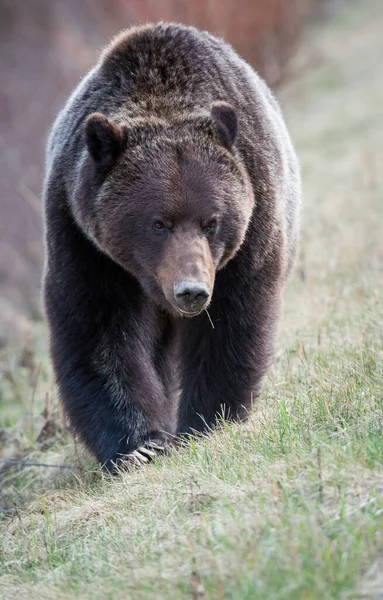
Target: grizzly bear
[(172, 201)]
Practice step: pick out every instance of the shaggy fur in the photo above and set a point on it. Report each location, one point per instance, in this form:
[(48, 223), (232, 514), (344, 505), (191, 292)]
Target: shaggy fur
[(169, 164)]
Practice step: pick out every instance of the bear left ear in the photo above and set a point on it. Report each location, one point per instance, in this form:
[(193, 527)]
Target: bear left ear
[(105, 140), (225, 117)]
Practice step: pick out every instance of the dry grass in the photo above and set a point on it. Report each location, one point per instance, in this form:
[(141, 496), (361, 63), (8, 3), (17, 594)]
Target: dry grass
[(290, 505)]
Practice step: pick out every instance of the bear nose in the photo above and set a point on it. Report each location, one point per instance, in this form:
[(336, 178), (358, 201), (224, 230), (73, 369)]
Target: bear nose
[(191, 296)]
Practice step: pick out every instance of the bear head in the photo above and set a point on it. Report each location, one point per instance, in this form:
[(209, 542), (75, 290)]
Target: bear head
[(169, 202)]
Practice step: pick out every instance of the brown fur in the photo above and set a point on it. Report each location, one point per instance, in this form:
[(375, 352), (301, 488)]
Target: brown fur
[(170, 165)]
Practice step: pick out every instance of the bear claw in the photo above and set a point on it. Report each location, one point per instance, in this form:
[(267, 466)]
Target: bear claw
[(155, 446), (145, 453), (133, 459), (140, 456)]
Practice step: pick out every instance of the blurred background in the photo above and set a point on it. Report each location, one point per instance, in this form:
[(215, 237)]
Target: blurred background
[(46, 46)]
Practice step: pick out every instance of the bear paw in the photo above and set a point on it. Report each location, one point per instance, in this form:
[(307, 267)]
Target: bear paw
[(146, 452)]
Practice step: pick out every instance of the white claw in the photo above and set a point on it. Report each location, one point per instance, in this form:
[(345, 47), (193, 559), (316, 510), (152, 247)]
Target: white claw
[(155, 446), (133, 459), (146, 451), (140, 456)]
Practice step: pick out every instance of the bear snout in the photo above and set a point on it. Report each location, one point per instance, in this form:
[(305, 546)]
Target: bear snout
[(191, 296)]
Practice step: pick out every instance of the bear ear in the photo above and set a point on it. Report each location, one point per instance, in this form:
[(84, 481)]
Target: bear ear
[(225, 118), (104, 139)]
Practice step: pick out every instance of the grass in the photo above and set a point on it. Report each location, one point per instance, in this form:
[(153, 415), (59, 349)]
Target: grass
[(290, 505)]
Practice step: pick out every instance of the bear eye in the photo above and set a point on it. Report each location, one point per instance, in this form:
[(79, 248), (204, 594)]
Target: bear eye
[(210, 227), (159, 225)]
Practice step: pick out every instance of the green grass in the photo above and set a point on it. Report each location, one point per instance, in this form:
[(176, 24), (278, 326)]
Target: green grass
[(289, 505)]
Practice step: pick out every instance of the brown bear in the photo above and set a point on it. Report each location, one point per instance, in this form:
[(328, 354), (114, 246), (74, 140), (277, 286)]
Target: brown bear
[(172, 199)]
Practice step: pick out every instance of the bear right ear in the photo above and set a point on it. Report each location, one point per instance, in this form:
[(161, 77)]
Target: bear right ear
[(104, 139), (225, 118)]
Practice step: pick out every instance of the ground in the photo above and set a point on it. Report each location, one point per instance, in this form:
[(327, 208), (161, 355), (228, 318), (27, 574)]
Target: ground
[(289, 506)]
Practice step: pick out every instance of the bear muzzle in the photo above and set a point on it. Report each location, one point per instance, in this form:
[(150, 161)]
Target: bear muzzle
[(191, 296)]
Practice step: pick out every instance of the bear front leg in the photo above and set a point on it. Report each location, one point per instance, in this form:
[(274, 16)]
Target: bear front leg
[(223, 367), (109, 387)]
